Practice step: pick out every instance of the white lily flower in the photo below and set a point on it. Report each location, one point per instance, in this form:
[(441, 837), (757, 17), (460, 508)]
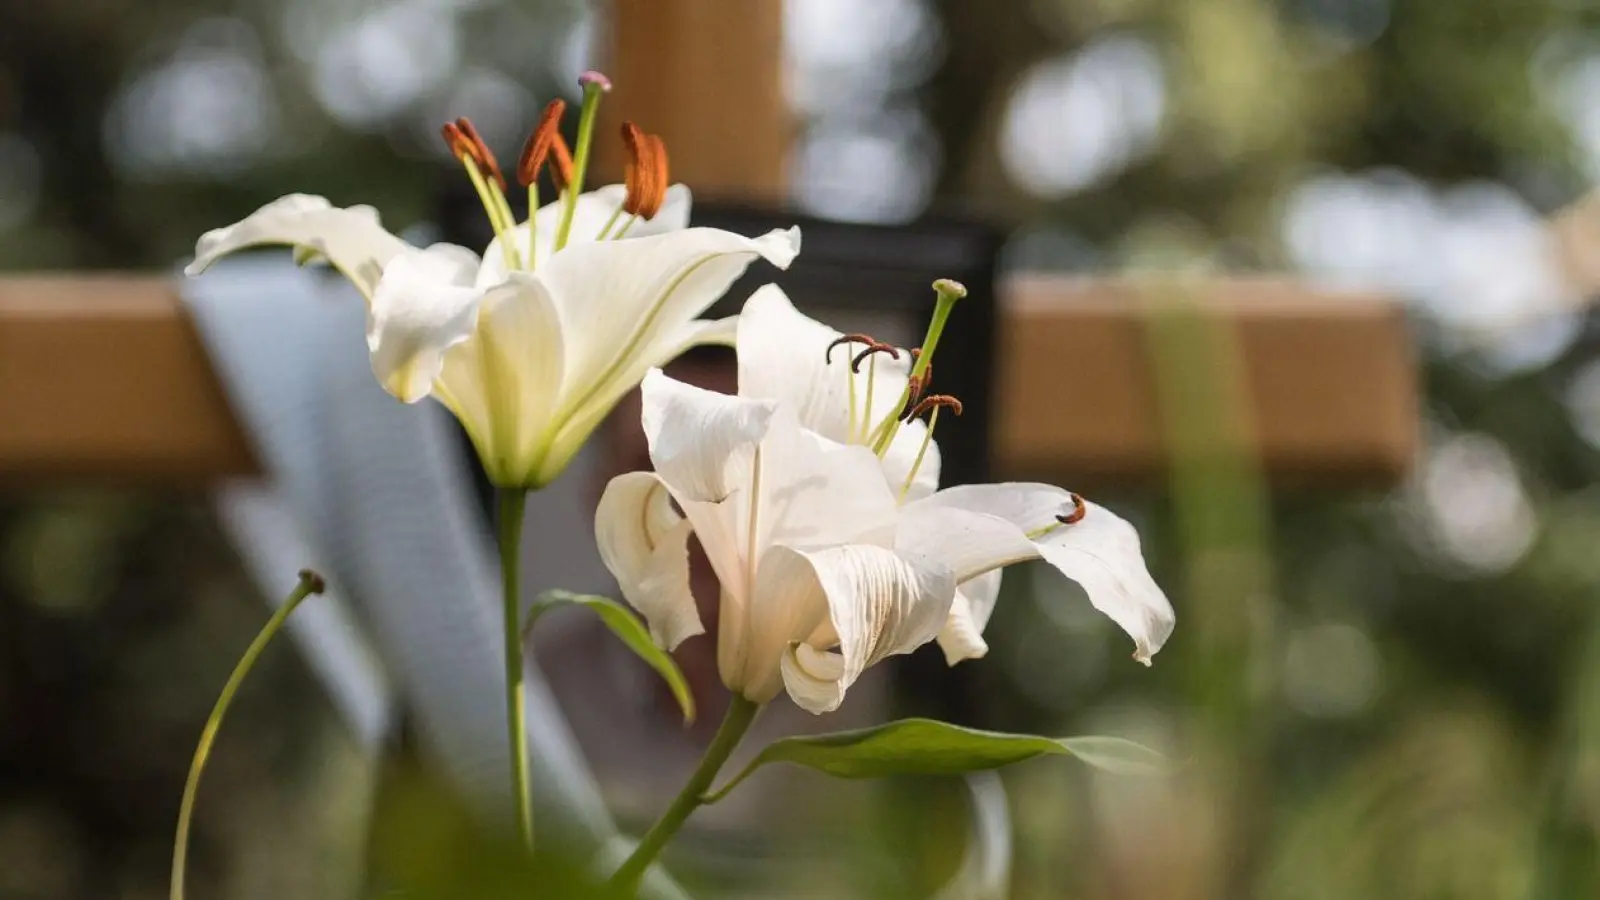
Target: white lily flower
[(533, 344), (530, 361), (531, 365), (823, 570), (784, 358), (800, 530)]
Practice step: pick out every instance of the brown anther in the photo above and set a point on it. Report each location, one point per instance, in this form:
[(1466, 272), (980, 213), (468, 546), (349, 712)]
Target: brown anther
[(481, 152), (874, 347), (459, 144), (916, 385), (645, 173), (540, 143), (933, 401), (1079, 510), (867, 339)]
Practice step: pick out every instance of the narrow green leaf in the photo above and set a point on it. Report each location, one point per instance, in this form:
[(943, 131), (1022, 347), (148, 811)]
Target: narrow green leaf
[(927, 747), (627, 626)]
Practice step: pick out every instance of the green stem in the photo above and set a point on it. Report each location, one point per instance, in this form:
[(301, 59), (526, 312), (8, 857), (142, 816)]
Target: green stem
[(310, 583), (512, 501), (741, 713)]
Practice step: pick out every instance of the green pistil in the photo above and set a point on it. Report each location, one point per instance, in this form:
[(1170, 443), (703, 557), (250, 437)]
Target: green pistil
[(949, 293), (594, 86)]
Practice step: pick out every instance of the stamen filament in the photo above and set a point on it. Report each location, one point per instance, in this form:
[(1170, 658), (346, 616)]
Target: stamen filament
[(623, 231), (480, 184), (922, 451), (509, 218), (851, 378), (615, 215), (477, 156), (533, 225), (594, 86), (1042, 530), (872, 372)]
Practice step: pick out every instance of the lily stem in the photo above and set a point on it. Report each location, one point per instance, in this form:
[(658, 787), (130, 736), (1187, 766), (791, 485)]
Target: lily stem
[(310, 583), (741, 712), (512, 502)]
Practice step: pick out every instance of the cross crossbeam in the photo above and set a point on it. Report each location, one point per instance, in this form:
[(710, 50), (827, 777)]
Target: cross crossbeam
[(104, 378)]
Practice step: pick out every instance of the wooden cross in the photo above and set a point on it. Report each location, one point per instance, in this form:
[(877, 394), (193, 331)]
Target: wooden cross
[(103, 377)]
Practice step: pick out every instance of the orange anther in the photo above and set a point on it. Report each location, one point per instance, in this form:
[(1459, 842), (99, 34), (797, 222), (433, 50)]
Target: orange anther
[(540, 143)]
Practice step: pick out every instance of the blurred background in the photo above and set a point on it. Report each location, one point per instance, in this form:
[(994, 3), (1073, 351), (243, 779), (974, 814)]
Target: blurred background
[(1387, 691)]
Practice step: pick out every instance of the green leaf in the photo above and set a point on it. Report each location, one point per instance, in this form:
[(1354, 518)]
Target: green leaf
[(927, 747), (627, 626)]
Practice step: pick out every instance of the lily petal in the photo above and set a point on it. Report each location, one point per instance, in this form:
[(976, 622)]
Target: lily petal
[(783, 355), (694, 435), (505, 382), (706, 333), (816, 492), (351, 239), (807, 491), (594, 211), (644, 543), (962, 635), (625, 306), (624, 297), (1101, 552), (785, 604), (419, 310), (881, 603), (453, 263)]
